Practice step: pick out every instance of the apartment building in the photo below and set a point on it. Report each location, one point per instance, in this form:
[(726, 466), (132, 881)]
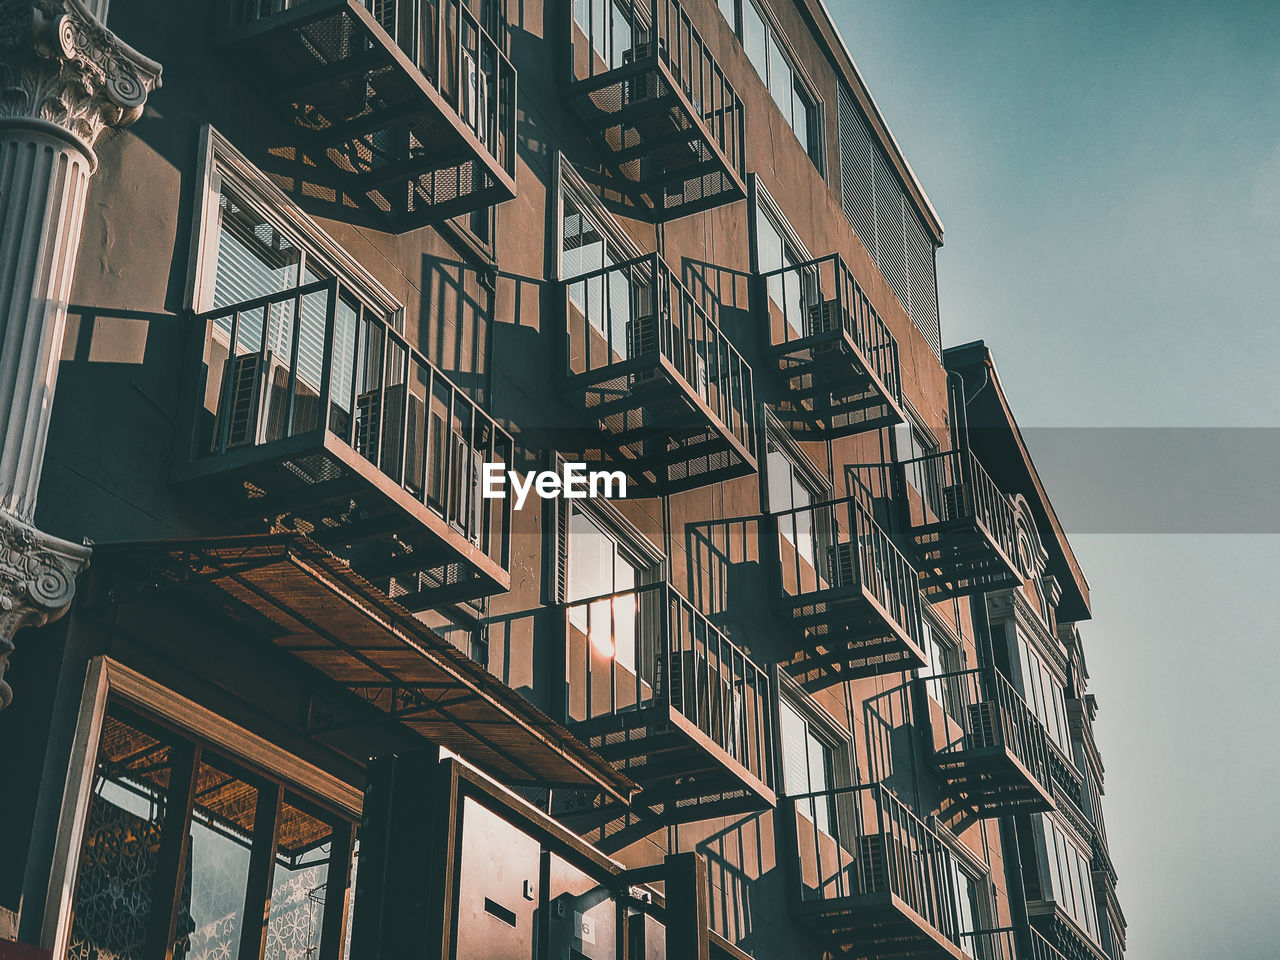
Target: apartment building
[(283, 281)]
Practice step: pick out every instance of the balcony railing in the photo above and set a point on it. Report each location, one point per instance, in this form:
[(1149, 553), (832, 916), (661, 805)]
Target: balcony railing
[(962, 526), (655, 687), (659, 378), (989, 746), (853, 593), (1006, 944), (403, 111), (873, 878), (836, 353), (312, 414), (669, 123)]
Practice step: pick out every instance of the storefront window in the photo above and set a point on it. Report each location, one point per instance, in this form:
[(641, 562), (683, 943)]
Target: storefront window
[(184, 847)]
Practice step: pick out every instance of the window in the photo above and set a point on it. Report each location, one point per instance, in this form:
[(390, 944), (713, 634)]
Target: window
[(970, 904), (807, 765), (777, 249), (767, 52), (792, 488), (1065, 864), (590, 244), (152, 787), (912, 442), (1043, 694), (609, 26), (602, 564), (944, 658)]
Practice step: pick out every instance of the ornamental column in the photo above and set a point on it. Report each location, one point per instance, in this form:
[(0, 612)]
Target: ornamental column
[(64, 78)]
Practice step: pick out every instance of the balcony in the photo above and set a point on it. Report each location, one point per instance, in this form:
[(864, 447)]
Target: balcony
[(1007, 944), (1058, 932), (872, 878), (962, 526), (646, 363), (658, 690), (666, 120), (853, 595), (989, 747), (402, 111), (323, 420), (838, 357)]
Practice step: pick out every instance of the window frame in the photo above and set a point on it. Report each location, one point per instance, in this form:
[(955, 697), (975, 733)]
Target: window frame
[(221, 165), (802, 85), (844, 768), (107, 682)]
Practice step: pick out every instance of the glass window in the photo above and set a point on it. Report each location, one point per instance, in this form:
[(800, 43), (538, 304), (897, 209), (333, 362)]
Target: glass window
[(755, 39), (217, 872), (600, 567), (138, 808), (789, 492), (298, 883), (807, 765), (1069, 877), (121, 847), (968, 905), (781, 83), (1043, 694)]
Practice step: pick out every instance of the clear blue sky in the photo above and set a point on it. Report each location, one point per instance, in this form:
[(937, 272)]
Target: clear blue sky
[(1109, 177)]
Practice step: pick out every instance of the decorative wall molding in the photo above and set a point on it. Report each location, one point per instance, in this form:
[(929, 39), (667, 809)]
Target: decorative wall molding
[(37, 583), (59, 64)]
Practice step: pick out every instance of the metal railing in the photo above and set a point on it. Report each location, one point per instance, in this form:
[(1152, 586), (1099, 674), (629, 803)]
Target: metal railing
[(452, 49), (635, 34), (953, 486), (650, 647), (620, 320), (872, 843), (314, 359), (988, 712), (836, 545), (818, 302), (1003, 943)]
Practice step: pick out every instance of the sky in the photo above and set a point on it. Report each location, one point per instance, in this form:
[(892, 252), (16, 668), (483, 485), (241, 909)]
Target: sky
[(1108, 174)]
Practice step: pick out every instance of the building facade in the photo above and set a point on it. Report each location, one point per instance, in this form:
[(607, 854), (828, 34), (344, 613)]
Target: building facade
[(285, 283)]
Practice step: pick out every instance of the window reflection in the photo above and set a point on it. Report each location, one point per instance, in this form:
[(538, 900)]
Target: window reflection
[(122, 842), (298, 886), (222, 821)]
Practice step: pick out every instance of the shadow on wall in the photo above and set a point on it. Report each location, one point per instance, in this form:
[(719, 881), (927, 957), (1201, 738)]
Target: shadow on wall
[(454, 322), (740, 863), (118, 407), (729, 581)]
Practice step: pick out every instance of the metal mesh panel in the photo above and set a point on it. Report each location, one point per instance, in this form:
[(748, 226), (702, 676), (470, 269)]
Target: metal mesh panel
[(890, 236), (922, 282), (887, 224), (856, 191)]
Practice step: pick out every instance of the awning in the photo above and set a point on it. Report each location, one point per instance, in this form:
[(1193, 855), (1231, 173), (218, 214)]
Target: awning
[(311, 604)]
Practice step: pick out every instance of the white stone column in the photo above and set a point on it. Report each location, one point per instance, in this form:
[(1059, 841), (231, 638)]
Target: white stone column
[(64, 78)]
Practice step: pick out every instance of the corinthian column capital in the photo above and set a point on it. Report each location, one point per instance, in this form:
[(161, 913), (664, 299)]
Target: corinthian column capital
[(37, 583), (59, 64)]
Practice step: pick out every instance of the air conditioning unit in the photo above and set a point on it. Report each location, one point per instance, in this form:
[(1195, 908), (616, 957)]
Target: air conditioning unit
[(824, 317), (844, 564), (642, 341), (953, 502), (708, 697), (643, 86), (984, 725), (243, 405), (466, 513)]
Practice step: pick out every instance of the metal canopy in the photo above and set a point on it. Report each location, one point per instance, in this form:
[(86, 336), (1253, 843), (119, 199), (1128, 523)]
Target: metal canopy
[(313, 605)]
